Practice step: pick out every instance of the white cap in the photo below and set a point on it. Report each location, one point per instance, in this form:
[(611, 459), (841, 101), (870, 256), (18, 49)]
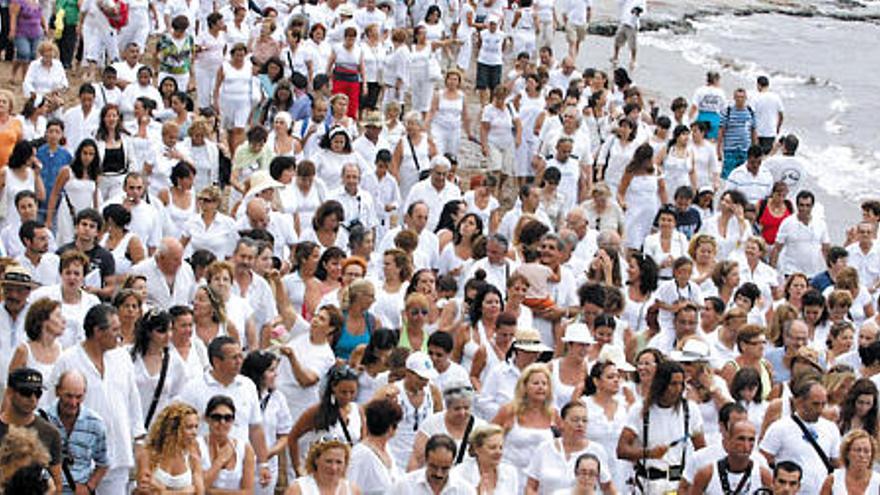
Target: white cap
[(492, 18), (694, 350), (614, 354), (419, 363)]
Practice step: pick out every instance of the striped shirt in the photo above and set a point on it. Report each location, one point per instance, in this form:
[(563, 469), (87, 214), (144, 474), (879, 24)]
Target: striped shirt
[(85, 445), (738, 124)]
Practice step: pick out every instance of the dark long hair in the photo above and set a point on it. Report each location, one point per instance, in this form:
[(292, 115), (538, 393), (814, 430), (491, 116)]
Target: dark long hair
[(328, 409), (331, 253), (662, 378), (642, 160), (146, 325), (862, 386), (476, 309), (255, 364), (595, 374), (456, 234), (647, 273), (446, 216), (103, 133)]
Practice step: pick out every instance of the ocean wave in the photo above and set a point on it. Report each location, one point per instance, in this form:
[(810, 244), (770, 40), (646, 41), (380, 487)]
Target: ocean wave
[(842, 170)]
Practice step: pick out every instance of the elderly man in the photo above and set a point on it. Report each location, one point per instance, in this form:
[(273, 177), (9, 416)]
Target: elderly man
[(435, 191), (250, 285), (357, 205), (563, 292), (529, 202), (84, 434), (587, 238), (496, 264), (17, 285), (224, 378), (170, 281), (111, 392)]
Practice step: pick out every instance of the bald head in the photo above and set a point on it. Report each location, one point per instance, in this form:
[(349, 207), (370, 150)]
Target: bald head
[(609, 239), (169, 256), (576, 220), (71, 392), (258, 213)]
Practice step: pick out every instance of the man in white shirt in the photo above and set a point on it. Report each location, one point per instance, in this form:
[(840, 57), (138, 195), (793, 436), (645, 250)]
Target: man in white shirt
[(768, 114), (496, 264), (224, 379), (529, 200), (561, 76), (369, 14), (385, 191), (435, 191), (81, 121), (37, 258), (368, 144), (436, 477), (787, 167), (786, 439), (142, 86), (563, 292), (17, 285), (260, 216), (106, 91), (251, 286), (416, 219), (111, 392), (754, 181), (587, 238), (864, 257), (146, 218), (170, 281), (802, 242), (127, 68), (356, 204)]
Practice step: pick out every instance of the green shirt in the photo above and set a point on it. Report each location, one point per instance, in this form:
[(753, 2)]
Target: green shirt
[(71, 11)]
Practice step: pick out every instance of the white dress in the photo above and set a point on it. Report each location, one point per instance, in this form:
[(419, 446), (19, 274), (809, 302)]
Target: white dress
[(120, 253), (178, 217), (227, 479), (401, 443), (519, 446), (446, 123), (77, 195), (642, 204), (529, 110), (13, 186), (676, 170), (409, 171), (606, 431), (420, 83)]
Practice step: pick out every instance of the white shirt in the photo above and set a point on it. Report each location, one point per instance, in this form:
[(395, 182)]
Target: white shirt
[(507, 480), (113, 396), (146, 220), (428, 248), (416, 483), (491, 47), (802, 246), (666, 424), (159, 294), (78, 127), (73, 313), (867, 264), (219, 238), (501, 123), (785, 441), (40, 80), (356, 207), (11, 335), (789, 169), (554, 472), (46, 271), (767, 106), (261, 298), (627, 18), (369, 473), (497, 390), (425, 191), (317, 358), (243, 393), (754, 186)]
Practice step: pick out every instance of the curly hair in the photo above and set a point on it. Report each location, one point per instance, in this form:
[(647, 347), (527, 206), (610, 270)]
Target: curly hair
[(20, 447), (317, 449), (520, 401), (166, 437)]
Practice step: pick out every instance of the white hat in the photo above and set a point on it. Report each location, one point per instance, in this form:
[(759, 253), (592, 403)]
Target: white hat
[(614, 354), (260, 181), (420, 364), (694, 350), (578, 333), (345, 9), (492, 18), (529, 340)]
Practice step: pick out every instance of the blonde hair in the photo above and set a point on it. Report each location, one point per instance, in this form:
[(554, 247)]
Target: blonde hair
[(47, 45), (416, 298), (318, 448), (478, 437), (850, 438), (9, 96), (519, 394), (760, 242), (199, 124), (782, 315), (355, 290), (218, 267), (699, 240), (840, 298), (166, 437)]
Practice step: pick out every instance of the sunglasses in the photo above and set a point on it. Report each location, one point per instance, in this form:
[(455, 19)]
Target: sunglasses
[(417, 312), (225, 418), (27, 392)]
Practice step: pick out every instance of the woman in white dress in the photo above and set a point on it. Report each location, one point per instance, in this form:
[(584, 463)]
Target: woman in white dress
[(204, 153), (336, 152), (234, 94), (667, 244), (456, 257), (228, 463), (22, 173), (308, 193), (261, 367), (420, 84), (210, 230), (169, 461), (413, 153), (567, 372), (239, 312), (676, 161), (336, 415), (480, 200), (397, 270), (318, 48), (372, 469), (471, 338), (179, 200), (448, 115), (75, 189), (858, 450), (154, 363), (617, 152), (485, 467), (607, 410), (125, 246), (529, 104), (210, 45), (44, 323), (640, 194)]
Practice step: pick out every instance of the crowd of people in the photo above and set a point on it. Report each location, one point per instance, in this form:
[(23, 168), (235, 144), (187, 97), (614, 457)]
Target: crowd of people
[(397, 247)]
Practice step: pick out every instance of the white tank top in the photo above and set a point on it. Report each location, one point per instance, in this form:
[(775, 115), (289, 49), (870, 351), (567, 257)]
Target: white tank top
[(120, 257), (237, 82), (13, 186), (526, 21), (839, 486), (44, 368), (308, 486), (561, 392), (448, 114), (409, 173), (227, 479), (174, 481)]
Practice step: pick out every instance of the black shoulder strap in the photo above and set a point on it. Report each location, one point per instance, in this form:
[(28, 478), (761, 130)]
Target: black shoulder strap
[(812, 441), (464, 440), (724, 468), (345, 430), (162, 374), (412, 150), (687, 426), (65, 459)]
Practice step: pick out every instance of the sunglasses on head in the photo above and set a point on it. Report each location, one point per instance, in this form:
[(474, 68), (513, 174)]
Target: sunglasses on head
[(225, 418)]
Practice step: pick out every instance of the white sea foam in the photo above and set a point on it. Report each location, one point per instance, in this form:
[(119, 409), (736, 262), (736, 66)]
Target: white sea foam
[(842, 171)]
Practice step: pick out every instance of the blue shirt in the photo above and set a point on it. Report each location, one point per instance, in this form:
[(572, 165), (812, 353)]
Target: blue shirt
[(738, 124), (85, 445), (52, 164)]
